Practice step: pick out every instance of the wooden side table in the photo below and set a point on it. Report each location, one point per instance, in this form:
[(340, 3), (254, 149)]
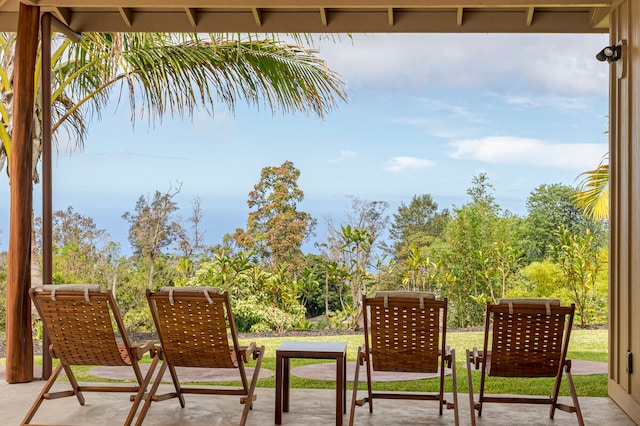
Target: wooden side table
[(314, 350)]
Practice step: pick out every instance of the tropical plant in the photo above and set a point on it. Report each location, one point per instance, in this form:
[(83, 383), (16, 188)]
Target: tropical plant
[(580, 261), (169, 73), (593, 195)]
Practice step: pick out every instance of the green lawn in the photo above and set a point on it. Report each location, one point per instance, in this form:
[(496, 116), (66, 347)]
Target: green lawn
[(591, 345)]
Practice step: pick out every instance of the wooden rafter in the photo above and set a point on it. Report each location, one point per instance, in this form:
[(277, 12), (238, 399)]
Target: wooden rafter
[(257, 16), (323, 17), (530, 13), (127, 15), (192, 15)]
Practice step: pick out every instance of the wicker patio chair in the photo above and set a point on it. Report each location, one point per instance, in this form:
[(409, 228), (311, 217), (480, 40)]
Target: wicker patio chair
[(525, 338), (196, 329), (404, 332), (79, 319)]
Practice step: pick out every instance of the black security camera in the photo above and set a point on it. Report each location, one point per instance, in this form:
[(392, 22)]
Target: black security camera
[(609, 53)]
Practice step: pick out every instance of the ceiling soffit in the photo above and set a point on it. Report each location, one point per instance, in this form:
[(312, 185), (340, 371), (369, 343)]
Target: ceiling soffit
[(328, 16)]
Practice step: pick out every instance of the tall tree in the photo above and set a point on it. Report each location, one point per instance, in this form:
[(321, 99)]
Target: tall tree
[(152, 227), (415, 227), (549, 207), (469, 252), (275, 228), (79, 247), (191, 243)]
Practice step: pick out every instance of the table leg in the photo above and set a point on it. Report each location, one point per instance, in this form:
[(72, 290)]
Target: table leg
[(285, 385), (340, 393), (344, 381), (278, 389)]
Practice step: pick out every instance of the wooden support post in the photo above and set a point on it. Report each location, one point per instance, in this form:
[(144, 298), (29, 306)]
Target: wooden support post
[(19, 367), (47, 203)]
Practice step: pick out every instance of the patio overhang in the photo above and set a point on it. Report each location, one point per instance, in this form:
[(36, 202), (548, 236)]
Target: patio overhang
[(619, 18), (323, 16)]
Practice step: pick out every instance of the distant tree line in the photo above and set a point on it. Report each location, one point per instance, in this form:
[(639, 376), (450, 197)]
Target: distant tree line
[(470, 254)]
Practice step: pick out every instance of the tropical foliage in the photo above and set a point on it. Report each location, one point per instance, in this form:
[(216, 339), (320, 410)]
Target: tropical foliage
[(478, 255), (593, 195)]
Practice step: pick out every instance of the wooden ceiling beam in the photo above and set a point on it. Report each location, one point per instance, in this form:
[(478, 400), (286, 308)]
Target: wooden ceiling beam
[(374, 21), (329, 4)]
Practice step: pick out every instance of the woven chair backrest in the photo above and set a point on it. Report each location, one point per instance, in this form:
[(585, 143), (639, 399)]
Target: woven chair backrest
[(79, 323), (528, 337), (193, 326), (405, 331)]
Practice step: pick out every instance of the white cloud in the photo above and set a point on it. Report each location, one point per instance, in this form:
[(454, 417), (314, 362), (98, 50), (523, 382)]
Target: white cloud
[(402, 164), (344, 155), (524, 151), (558, 64)]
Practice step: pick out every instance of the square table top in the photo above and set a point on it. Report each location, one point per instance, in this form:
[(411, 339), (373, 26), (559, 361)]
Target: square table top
[(320, 348)]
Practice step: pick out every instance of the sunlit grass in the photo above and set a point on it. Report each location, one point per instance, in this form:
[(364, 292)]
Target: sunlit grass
[(590, 345)]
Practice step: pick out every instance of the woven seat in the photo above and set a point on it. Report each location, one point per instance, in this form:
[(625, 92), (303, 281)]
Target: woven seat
[(404, 332), (196, 329), (79, 319), (525, 338)]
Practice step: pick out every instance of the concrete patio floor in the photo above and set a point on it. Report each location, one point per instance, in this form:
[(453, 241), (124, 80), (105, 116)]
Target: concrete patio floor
[(308, 407)]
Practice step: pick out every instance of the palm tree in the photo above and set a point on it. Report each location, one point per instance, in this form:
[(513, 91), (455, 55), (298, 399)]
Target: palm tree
[(593, 195), (169, 73)]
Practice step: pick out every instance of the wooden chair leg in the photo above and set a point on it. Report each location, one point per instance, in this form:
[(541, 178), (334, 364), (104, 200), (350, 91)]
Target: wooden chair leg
[(354, 395), (74, 383), (248, 404), (470, 383), (151, 394), (454, 387), (41, 398), (369, 386), (574, 397), (141, 391)]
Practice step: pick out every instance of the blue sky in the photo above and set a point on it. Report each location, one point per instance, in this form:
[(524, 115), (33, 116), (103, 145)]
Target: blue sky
[(426, 113)]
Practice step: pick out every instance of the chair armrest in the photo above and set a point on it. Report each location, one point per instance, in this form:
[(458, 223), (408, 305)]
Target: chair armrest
[(362, 352), (478, 357), (139, 349), (447, 356), (246, 351)]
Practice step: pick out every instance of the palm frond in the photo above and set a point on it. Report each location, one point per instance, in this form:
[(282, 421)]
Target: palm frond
[(593, 191)]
